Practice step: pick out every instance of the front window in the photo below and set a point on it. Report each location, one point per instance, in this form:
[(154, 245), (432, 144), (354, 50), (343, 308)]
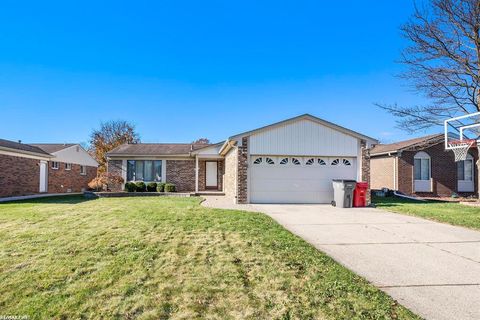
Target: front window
[(422, 166), (83, 170), (68, 166), (144, 170), (55, 165), (465, 170)]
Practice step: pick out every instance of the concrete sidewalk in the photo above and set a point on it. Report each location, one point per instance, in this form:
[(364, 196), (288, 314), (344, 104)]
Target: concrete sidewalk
[(431, 268)]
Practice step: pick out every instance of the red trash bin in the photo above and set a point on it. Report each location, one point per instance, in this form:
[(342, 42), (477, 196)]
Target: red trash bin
[(360, 194)]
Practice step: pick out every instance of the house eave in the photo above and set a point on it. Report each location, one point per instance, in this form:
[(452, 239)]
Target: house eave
[(35, 154), (125, 156)]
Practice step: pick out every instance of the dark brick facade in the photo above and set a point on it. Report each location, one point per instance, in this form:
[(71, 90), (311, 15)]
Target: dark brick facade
[(242, 187), (366, 168), (61, 180), (115, 168), (21, 176), (182, 174), (443, 172), (18, 176)]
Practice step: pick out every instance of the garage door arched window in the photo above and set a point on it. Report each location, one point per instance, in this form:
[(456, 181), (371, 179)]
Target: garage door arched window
[(310, 162), (295, 161), (269, 161), (346, 162), (322, 162), (284, 161), (335, 162), (259, 160)]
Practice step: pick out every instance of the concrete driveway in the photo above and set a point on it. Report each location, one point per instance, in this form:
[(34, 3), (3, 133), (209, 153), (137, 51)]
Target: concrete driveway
[(431, 268)]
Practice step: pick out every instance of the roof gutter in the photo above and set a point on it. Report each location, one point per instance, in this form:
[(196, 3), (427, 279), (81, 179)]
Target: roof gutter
[(40, 155), (123, 155), (229, 144)]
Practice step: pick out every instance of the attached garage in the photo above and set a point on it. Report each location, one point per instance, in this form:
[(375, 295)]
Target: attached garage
[(294, 161), (288, 179)]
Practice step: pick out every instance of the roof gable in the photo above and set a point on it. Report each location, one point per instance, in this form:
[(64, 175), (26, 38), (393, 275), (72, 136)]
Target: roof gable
[(309, 118), (75, 154), (53, 147)]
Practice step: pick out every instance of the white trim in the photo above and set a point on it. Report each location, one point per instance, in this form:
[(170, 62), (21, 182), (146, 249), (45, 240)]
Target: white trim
[(43, 183), (164, 170), (196, 173), (23, 154), (55, 167)]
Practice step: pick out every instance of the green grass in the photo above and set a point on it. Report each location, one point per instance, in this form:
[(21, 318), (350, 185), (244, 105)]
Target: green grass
[(169, 258), (448, 212)]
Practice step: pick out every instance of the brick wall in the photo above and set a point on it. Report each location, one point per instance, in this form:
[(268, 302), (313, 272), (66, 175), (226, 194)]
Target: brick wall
[(230, 178), (182, 174), (382, 172), (443, 172), (242, 182), (19, 176), (366, 168), (61, 180), (115, 167)]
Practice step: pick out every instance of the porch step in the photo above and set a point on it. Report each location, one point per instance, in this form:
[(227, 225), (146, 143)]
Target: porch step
[(209, 193)]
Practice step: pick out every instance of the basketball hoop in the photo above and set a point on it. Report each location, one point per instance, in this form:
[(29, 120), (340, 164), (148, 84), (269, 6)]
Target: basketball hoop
[(460, 148)]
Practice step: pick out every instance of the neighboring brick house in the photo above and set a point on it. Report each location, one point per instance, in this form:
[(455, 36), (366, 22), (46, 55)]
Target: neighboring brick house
[(423, 167), (44, 168), (292, 161)]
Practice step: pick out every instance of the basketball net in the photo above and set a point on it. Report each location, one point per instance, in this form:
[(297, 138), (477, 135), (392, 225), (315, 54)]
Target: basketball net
[(460, 148)]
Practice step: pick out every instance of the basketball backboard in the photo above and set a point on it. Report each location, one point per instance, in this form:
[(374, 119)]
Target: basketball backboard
[(462, 133)]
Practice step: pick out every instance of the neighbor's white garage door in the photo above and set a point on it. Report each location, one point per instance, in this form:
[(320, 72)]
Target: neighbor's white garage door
[(297, 179)]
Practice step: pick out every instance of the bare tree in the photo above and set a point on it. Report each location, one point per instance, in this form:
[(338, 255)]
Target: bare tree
[(110, 135), (443, 63), (201, 141)]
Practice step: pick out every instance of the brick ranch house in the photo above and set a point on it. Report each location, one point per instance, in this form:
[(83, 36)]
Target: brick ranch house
[(27, 169), (292, 161), (423, 167)]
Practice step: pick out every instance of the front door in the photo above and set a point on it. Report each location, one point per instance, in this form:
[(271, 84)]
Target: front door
[(43, 176), (211, 174)]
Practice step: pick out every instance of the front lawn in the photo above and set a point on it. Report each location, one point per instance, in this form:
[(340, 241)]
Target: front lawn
[(169, 258), (452, 213)]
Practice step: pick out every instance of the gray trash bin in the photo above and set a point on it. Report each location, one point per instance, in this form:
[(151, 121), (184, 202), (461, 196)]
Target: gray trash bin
[(343, 193)]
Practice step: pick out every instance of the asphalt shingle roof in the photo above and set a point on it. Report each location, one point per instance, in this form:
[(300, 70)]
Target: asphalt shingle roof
[(401, 145), (155, 149), (21, 147), (52, 147)]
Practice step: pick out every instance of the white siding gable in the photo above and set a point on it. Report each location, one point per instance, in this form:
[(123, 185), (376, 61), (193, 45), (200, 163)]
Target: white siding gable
[(215, 149), (75, 154), (304, 138)]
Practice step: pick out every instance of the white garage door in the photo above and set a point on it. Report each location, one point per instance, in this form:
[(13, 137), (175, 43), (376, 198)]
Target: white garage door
[(297, 179)]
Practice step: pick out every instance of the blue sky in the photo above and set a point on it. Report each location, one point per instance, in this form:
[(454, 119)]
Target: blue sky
[(180, 70)]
